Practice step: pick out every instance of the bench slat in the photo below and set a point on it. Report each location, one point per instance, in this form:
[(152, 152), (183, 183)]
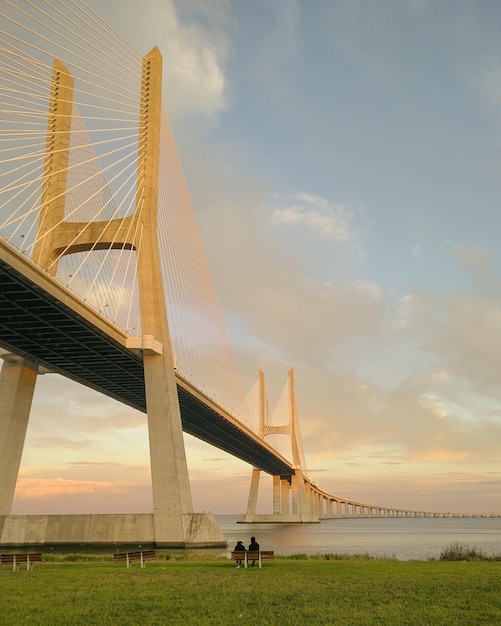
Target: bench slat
[(26, 558), (262, 555), (135, 557)]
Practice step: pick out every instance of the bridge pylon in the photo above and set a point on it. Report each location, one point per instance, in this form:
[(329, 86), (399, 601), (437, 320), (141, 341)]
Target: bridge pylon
[(173, 522), (291, 501)]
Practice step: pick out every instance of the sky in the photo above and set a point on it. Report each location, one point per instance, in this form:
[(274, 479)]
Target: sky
[(343, 159)]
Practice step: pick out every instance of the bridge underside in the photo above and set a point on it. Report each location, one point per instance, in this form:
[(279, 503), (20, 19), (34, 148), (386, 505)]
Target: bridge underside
[(42, 321)]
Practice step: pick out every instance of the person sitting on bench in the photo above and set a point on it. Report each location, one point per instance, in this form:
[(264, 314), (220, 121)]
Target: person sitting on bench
[(253, 547), (239, 548)]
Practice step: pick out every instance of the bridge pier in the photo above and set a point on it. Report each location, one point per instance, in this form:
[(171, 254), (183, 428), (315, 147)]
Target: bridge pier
[(282, 488), (18, 378)]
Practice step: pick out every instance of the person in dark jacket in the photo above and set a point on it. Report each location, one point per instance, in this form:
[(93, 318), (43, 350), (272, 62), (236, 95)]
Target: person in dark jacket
[(253, 547), (239, 548)]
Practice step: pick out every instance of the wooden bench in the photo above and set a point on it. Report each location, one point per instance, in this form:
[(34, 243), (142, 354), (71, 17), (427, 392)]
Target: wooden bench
[(140, 556), (16, 560), (248, 557)]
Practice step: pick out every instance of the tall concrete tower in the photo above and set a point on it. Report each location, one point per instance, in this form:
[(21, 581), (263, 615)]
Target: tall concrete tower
[(173, 522)]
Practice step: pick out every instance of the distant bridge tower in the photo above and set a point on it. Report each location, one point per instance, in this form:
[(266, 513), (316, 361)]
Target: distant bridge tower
[(173, 522), (291, 501)]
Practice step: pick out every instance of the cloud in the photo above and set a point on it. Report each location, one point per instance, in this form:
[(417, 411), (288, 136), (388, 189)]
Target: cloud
[(194, 49), (62, 442), (324, 219), (435, 405), (195, 84), (115, 419), (463, 333), (48, 488), (56, 496), (94, 463)]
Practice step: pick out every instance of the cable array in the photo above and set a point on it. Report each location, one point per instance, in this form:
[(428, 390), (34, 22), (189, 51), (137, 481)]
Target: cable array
[(198, 333), (101, 183), (103, 140)]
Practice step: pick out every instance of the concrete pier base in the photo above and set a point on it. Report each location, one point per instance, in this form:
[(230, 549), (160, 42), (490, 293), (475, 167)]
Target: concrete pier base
[(201, 530)]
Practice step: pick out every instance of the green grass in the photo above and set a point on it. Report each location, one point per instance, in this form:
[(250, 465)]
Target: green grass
[(284, 592)]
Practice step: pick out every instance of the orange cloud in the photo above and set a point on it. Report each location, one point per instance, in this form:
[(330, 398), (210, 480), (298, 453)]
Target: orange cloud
[(49, 488)]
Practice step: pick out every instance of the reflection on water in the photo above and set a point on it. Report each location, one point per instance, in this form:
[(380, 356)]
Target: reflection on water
[(401, 538)]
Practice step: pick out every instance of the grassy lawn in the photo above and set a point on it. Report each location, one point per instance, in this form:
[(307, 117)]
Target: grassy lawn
[(295, 592)]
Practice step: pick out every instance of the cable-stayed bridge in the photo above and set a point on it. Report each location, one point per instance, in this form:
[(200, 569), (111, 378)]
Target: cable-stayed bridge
[(104, 280)]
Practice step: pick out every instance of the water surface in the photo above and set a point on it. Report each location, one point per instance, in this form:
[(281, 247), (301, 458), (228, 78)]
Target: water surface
[(401, 538)]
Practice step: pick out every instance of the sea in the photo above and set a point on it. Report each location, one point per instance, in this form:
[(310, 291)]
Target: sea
[(402, 538)]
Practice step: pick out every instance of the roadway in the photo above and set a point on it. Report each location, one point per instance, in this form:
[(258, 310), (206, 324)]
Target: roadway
[(43, 321)]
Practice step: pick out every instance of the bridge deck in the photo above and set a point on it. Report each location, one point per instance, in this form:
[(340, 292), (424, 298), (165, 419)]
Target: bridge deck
[(41, 320)]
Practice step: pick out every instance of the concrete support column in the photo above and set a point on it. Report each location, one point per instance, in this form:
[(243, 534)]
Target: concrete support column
[(285, 497), (276, 495), (315, 504), (295, 499), (304, 508), (169, 470), (253, 491), (310, 496), (17, 386)]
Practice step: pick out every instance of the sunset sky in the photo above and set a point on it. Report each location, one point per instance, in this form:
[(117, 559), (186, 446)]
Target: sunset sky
[(344, 163)]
